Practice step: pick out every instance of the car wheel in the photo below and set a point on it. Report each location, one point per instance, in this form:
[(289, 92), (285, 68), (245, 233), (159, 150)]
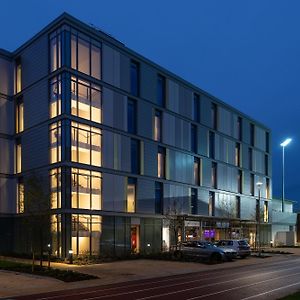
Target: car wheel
[(215, 258)]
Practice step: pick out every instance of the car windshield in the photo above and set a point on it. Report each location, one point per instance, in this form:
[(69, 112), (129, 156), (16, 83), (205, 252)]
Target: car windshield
[(243, 243)]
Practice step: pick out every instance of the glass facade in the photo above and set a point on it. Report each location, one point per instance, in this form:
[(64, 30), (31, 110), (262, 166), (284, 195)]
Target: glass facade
[(194, 138), (55, 96), (86, 100), (134, 78), (196, 106), (196, 171), (19, 115), (86, 144), (159, 197), (131, 195), (135, 156), (55, 142), (18, 76), (55, 51), (158, 125), (161, 90), (20, 197), (55, 188), (131, 116), (85, 55), (161, 162), (86, 189), (18, 156)]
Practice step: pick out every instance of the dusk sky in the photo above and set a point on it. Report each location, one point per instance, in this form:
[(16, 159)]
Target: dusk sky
[(246, 53)]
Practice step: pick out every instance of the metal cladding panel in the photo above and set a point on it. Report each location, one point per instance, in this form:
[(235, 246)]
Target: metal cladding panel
[(206, 172), (125, 154), (173, 96), (203, 141), (108, 107), (230, 151), (234, 126), (186, 135), (7, 195), (225, 121), (248, 208), (6, 156), (260, 138), (36, 104), (185, 102), (110, 66), (113, 194), (7, 77), (120, 112), (259, 161), (35, 147), (219, 148), (222, 177), (148, 83), (205, 110), (117, 153), (145, 196), (177, 199), (150, 157), (7, 116), (203, 196), (125, 73), (179, 133), (246, 182), (145, 119), (181, 167), (34, 60), (245, 156), (169, 133), (246, 131), (107, 149)]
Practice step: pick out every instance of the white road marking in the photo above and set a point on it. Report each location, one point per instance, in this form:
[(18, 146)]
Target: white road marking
[(271, 291)]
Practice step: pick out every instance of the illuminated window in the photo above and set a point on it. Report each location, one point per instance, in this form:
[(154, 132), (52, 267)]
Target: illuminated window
[(18, 76), (86, 232), (55, 188), (86, 189), (196, 171), (20, 197), (55, 96), (238, 154), (55, 51), (131, 116), (161, 90), (266, 212), (85, 100), (161, 162), (55, 142), (131, 195), (211, 204), (158, 125), (86, 56), (214, 175), (134, 78), (86, 144), (56, 235), (18, 156), (19, 115)]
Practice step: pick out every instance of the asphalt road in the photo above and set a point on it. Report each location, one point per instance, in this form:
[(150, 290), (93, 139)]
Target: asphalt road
[(269, 280)]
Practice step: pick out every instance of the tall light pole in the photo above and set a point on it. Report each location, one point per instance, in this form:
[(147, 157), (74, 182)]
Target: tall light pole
[(259, 184), (283, 145)]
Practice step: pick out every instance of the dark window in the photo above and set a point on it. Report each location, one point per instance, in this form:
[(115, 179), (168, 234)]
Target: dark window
[(257, 210), (161, 90), (240, 181), (250, 158), (158, 197), (252, 184), (194, 201), (134, 78), (135, 156), (196, 108), (158, 125), (252, 134), (211, 144), (131, 116), (193, 138), (161, 162), (211, 204), (266, 165), (196, 171), (238, 206), (240, 128), (238, 154), (214, 175), (267, 188), (267, 142), (214, 116)]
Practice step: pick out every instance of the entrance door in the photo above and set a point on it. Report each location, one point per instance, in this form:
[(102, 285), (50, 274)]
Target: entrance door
[(135, 238)]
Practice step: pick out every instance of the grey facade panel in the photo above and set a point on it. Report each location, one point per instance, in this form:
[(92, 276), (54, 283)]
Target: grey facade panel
[(110, 66), (145, 196), (173, 96), (7, 119), (145, 119), (185, 102), (148, 82), (206, 172), (120, 111), (7, 195), (169, 134), (125, 154), (125, 73), (7, 156), (107, 149), (6, 75), (108, 107), (205, 111), (203, 141), (150, 158)]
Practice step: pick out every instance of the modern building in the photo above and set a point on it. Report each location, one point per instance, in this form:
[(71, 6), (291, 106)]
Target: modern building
[(124, 148)]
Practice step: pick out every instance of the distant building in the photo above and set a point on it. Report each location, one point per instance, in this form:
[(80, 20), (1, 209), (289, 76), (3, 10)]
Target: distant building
[(125, 147), (283, 223)]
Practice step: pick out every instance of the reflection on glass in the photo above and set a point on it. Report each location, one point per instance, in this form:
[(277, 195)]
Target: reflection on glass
[(55, 188), (161, 162), (131, 195), (55, 52), (157, 125), (86, 189), (18, 77), (266, 212), (55, 96), (19, 117), (86, 144), (18, 157), (55, 142)]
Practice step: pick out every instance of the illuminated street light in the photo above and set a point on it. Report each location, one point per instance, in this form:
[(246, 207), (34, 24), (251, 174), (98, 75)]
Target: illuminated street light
[(283, 145)]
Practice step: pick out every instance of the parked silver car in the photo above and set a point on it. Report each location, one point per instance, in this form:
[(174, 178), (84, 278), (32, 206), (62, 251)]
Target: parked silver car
[(240, 246), (203, 250)]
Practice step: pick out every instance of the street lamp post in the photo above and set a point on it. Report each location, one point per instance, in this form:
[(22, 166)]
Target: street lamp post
[(259, 184), (283, 145)]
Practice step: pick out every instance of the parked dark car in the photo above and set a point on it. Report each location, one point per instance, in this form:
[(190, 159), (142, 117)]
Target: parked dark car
[(203, 250)]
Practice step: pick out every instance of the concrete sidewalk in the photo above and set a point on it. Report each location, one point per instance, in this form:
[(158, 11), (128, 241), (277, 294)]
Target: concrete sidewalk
[(13, 284)]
